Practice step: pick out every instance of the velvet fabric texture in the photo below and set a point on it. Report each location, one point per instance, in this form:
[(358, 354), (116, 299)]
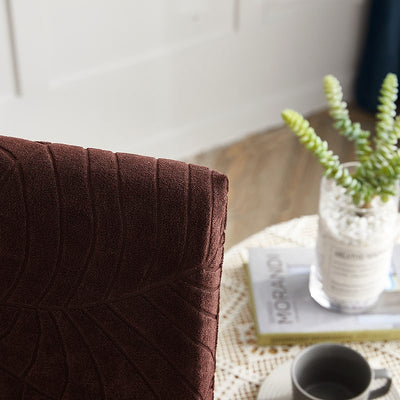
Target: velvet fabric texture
[(110, 268)]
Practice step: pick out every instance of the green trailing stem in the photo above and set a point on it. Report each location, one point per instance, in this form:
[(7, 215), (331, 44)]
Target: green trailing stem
[(338, 111), (379, 162), (330, 162)]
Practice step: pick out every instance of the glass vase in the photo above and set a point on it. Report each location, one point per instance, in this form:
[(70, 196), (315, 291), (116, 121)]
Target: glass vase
[(353, 251)]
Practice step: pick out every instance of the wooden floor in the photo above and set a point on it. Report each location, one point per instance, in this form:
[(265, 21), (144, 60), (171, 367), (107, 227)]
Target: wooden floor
[(272, 178)]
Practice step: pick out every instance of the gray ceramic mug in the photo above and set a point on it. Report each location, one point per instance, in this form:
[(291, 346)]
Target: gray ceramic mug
[(330, 371)]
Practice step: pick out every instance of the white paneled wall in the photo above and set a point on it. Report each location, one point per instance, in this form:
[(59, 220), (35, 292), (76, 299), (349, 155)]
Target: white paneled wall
[(168, 78), (7, 76)]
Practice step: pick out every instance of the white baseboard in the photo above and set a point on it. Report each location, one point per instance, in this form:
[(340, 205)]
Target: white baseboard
[(233, 125)]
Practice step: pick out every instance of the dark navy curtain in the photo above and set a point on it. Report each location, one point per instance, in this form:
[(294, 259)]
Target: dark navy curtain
[(381, 53)]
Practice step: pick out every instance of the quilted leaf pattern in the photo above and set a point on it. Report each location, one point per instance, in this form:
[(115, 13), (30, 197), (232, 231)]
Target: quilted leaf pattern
[(110, 268)]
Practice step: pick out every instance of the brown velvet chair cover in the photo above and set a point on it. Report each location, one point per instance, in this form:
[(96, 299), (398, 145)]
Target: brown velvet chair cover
[(110, 268)]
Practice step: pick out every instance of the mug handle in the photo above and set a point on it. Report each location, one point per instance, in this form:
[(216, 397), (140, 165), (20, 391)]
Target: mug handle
[(382, 373)]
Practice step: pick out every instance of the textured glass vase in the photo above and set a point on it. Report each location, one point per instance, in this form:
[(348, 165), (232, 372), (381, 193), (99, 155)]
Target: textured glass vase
[(354, 249)]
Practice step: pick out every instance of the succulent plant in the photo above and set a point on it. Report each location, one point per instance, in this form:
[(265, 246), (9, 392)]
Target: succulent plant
[(378, 170)]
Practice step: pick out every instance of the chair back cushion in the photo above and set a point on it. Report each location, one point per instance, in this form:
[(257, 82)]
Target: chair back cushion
[(110, 268)]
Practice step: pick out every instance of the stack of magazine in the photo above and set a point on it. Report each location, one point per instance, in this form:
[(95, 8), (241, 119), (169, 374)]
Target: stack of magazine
[(285, 313)]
